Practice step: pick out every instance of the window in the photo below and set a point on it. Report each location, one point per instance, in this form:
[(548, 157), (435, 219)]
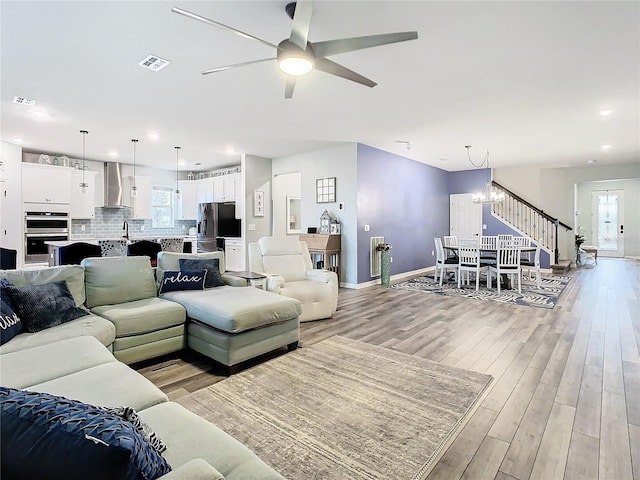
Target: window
[(162, 207)]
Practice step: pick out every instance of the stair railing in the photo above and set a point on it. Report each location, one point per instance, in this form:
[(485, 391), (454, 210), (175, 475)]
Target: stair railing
[(529, 219)]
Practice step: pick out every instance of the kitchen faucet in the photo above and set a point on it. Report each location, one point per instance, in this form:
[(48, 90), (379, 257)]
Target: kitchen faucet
[(125, 227)]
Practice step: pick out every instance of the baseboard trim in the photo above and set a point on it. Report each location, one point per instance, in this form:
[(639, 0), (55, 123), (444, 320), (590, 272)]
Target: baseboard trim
[(399, 276)]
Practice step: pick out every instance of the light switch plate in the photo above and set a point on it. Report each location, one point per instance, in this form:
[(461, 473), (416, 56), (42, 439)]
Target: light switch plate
[(251, 226), (366, 228)]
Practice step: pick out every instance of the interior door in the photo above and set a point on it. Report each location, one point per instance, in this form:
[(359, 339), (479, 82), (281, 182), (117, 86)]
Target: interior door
[(608, 222), (465, 217)]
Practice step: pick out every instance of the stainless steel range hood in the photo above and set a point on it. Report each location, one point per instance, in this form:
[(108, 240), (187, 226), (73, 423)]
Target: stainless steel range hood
[(113, 185)]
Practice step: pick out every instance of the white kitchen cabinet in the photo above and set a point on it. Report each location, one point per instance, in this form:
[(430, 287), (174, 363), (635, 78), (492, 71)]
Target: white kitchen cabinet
[(234, 254), (141, 203), (224, 188), (204, 190), (82, 205), (46, 184), (187, 206)]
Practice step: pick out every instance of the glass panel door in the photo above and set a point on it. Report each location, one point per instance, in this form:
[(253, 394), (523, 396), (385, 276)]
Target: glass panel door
[(608, 223)]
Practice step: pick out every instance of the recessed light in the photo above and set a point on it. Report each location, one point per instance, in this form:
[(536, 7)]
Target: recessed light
[(113, 154), (229, 150), (17, 140), (153, 136), (182, 162), (606, 113), (154, 62), (29, 102), (591, 161), (40, 114), (606, 147)]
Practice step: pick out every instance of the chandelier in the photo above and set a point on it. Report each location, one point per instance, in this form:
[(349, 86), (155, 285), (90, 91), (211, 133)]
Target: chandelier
[(490, 194)]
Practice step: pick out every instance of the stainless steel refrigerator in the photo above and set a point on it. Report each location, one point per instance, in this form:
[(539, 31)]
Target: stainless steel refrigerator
[(216, 221)]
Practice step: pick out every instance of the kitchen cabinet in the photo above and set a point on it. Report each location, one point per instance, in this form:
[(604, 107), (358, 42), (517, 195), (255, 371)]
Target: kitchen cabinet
[(204, 190), (82, 205), (187, 206), (46, 184), (224, 188), (234, 254), (141, 203), (11, 216)]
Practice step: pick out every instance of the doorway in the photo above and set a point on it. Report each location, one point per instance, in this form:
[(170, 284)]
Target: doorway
[(465, 216), (608, 222)]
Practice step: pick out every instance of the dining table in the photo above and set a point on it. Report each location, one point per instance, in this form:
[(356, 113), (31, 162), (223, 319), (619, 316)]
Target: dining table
[(485, 248)]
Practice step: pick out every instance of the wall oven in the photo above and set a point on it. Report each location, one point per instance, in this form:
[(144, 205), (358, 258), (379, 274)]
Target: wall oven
[(41, 227)]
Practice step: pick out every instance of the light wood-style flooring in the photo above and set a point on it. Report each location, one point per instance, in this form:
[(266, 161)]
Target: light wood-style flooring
[(565, 402)]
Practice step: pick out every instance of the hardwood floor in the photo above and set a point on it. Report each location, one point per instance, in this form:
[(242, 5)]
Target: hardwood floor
[(565, 402)]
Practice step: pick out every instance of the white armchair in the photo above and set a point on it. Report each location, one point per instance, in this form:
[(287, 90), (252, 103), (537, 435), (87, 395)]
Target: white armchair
[(286, 262)]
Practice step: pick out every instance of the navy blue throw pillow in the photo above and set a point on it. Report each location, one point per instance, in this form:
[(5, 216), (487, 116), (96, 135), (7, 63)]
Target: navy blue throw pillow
[(10, 324), (49, 437), (211, 265), (44, 306), (183, 280)]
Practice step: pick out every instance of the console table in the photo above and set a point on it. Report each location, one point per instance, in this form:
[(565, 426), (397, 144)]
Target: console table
[(327, 247)]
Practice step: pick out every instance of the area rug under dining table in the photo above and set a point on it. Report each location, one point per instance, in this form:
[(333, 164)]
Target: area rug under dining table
[(344, 409), (545, 296)]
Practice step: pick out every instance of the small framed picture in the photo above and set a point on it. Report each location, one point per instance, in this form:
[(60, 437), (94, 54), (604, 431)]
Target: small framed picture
[(334, 229), (258, 203)]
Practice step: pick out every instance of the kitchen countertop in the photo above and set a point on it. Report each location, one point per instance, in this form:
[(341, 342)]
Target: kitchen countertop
[(94, 241)]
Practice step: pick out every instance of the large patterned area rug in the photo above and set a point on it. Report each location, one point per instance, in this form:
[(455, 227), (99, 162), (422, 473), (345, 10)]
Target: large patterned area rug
[(545, 297), (343, 409)]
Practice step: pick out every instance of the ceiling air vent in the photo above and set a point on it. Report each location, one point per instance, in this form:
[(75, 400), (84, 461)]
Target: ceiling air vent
[(153, 62), (29, 102)]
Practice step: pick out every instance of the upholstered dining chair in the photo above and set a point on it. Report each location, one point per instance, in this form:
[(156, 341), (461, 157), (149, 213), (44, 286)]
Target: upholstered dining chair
[(442, 262), (146, 248), (76, 252), (507, 263)]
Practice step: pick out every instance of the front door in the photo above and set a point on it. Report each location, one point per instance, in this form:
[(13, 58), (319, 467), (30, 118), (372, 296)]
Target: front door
[(608, 222), (465, 217)]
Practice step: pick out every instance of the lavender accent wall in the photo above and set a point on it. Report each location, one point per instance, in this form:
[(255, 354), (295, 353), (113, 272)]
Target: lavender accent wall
[(405, 201), (468, 181)]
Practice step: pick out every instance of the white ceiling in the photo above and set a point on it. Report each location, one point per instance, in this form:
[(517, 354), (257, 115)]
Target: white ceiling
[(524, 80)]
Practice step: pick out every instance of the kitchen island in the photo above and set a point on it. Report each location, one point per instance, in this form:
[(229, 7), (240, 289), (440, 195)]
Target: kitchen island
[(190, 243)]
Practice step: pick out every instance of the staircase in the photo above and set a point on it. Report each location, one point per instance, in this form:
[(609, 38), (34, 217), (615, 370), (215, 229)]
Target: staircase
[(533, 222)]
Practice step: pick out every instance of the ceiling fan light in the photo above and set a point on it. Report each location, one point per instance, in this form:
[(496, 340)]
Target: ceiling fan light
[(295, 66)]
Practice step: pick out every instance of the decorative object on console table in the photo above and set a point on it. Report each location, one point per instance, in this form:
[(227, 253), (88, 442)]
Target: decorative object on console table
[(325, 246), (326, 190), (325, 221), (258, 203), (335, 228)]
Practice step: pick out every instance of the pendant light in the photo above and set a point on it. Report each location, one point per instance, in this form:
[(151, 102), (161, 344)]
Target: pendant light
[(489, 195), (177, 163), (83, 184), (134, 188)]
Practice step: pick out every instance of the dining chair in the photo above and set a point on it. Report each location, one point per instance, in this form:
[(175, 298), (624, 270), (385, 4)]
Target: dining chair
[(145, 248), (507, 263), (76, 252), (488, 247), (451, 241), (469, 261), (534, 265), (113, 248), (505, 238), (175, 245), (442, 262), (524, 242)]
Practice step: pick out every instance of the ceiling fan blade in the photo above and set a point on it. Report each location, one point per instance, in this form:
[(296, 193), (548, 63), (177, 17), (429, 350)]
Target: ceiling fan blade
[(235, 65), (289, 86), (333, 47), (301, 23), (327, 66), (221, 25)]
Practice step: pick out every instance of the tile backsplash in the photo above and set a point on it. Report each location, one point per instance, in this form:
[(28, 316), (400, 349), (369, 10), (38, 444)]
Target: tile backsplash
[(109, 223)]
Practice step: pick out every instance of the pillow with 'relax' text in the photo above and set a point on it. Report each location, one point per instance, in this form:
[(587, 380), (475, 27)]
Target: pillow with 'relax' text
[(173, 281)]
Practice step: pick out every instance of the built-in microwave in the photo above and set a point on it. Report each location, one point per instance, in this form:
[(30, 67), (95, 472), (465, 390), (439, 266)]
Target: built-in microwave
[(41, 227)]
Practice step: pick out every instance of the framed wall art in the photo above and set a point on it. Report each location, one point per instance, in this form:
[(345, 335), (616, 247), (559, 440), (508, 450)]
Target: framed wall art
[(326, 190), (258, 203)]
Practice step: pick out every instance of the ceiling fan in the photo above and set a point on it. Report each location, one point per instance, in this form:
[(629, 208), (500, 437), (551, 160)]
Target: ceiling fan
[(297, 56)]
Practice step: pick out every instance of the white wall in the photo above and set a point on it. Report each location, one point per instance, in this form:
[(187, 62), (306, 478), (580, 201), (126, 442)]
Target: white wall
[(631, 205), (257, 176), (552, 190), (340, 162), (11, 220), (286, 184)]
